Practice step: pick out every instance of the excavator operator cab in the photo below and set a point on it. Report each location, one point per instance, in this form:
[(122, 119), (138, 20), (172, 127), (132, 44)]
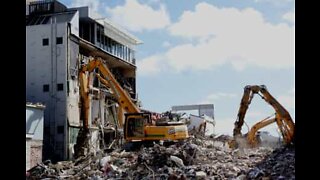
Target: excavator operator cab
[(134, 124)]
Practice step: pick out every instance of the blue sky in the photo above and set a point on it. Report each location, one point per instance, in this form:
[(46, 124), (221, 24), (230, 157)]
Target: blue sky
[(207, 51)]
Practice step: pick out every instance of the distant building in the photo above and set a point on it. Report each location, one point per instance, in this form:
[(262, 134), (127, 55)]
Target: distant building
[(203, 109), (58, 40), (205, 114), (34, 134), (196, 121)]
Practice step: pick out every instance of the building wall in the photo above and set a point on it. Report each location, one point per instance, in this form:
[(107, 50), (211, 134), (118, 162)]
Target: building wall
[(35, 152), (73, 111), (34, 132), (75, 24), (27, 153), (203, 109), (46, 65), (52, 65), (97, 111), (34, 122), (27, 6), (195, 122)]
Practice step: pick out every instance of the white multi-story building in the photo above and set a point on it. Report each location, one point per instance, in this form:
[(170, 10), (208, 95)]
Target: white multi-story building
[(58, 40)]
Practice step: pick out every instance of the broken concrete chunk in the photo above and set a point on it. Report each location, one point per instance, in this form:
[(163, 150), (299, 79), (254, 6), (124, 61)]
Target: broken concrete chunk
[(170, 150), (235, 169), (193, 146), (241, 177), (105, 160), (177, 160), (125, 154), (201, 175)]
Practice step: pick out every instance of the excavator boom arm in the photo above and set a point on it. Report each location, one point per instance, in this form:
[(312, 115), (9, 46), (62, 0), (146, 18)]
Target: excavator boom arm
[(84, 95), (244, 105), (123, 100), (252, 133), (109, 80), (283, 118)]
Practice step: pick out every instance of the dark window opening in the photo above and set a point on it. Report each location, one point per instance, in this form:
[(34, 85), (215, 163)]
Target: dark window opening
[(59, 40), (60, 87), (60, 129), (92, 33), (46, 88), (68, 87), (46, 130), (85, 31), (45, 42), (99, 34), (106, 42), (113, 47)]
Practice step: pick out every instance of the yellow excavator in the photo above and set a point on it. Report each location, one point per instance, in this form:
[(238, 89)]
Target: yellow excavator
[(282, 117), (138, 125)]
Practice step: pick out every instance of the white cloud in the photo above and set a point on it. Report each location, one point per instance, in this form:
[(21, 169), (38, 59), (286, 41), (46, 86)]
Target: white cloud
[(138, 17), (92, 4), (166, 44), (238, 37), (211, 98), (149, 66), (289, 16), (195, 24)]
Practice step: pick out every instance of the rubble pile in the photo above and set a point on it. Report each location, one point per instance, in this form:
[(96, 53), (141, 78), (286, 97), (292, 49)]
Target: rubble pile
[(279, 165), (197, 158)]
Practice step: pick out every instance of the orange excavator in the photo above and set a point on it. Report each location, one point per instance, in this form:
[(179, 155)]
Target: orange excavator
[(282, 117), (137, 125)]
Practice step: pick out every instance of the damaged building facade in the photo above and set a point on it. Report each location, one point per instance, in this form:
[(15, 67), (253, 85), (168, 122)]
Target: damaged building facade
[(34, 134), (59, 40)]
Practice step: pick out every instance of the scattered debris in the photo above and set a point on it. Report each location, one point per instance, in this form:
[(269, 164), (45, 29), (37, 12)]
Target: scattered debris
[(194, 159), (279, 165)]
